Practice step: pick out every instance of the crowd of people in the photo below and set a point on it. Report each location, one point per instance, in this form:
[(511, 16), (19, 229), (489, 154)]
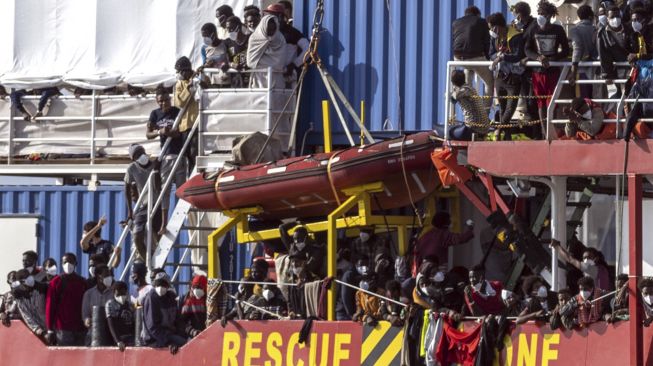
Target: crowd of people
[(261, 40), (615, 32), (373, 283)]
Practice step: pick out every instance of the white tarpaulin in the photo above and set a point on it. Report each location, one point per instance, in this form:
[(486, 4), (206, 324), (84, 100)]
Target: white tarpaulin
[(101, 43)]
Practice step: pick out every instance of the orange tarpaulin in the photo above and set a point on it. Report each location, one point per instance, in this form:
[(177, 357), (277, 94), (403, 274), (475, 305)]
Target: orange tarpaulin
[(449, 170)]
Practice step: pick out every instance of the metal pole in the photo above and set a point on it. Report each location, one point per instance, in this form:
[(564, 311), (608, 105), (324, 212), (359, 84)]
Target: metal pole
[(10, 142), (635, 268), (447, 102), (149, 236), (181, 260), (326, 126), (618, 222), (268, 116), (551, 107), (93, 127), (558, 226)]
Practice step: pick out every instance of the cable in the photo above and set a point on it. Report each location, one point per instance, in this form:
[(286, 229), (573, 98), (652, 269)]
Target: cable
[(403, 170)]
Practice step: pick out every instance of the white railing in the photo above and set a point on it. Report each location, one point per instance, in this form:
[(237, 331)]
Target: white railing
[(562, 80)]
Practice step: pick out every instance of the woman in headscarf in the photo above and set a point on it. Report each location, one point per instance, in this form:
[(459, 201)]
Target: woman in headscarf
[(193, 308), (267, 48)]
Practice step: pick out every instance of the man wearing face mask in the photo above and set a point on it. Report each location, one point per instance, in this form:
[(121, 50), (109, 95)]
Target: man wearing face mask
[(160, 317), (137, 276), (244, 292), (92, 242), (184, 96), (583, 41), (296, 295), (8, 308), (366, 244), (120, 316), (63, 305), (193, 307), (481, 296), (539, 300), (589, 265), (97, 296), (646, 290), (214, 55), (161, 125), (586, 121), (30, 259), (139, 172), (547, 42), (274, 302), (50, 268), (640, 42), (587, 307), (303, 244), (223, 13), (612, 46), (236, 46), (93, 262), (368, 306), (30, 303)]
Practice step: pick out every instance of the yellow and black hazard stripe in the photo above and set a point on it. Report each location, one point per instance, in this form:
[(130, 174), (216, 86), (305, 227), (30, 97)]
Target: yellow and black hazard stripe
[(381, 344)]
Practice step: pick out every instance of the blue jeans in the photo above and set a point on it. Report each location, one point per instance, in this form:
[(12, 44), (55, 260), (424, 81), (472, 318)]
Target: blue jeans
[(460, 132), (46, 93)]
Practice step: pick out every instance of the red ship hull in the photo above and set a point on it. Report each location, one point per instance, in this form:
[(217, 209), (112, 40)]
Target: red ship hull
[(302, 186)]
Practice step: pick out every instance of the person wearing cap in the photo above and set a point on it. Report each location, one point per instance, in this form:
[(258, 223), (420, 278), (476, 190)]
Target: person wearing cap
[(160, 317), (137, 276), (193, 307), (184, 97), (437, 241), (296, 43), (139, 172), (267, 49)]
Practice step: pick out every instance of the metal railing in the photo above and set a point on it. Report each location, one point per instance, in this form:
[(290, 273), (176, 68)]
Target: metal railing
[(562, 80)]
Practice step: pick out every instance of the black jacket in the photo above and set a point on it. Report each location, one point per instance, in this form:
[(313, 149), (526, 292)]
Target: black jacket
[(471, 37), (611, 50), (633, 43)]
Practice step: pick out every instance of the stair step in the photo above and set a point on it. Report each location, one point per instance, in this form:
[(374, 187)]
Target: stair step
[(190, 246), (579, 204), (200, 228), (203, 266)]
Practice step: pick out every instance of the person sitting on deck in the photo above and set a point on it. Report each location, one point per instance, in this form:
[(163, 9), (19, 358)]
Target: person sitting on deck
[(120, 314), (475, 115), (481, 296), (586, 121)]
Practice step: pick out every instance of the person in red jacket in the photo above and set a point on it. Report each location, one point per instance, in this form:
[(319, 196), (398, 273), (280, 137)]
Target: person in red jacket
[(63, 305), (437, 241), (481, 296)]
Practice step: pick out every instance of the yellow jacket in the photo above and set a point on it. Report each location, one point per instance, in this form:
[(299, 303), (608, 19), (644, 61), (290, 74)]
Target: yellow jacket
[(181, 96)]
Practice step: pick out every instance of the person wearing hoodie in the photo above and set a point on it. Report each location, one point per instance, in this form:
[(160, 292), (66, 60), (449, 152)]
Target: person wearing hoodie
[(192, 308), (160, 317)]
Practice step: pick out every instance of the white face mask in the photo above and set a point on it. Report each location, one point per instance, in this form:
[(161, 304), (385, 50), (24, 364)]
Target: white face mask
[(648, 299), (542, 292), (52, 270), (493, 34), (362, 270), (207, 41), (30, 269), (121, 299), (364, 236), (198, 293), (29, 281), (91, 271), (15, 284), (439, 277), (588, 261), (587, 115), (542, 20), (68, 268), (603, 20), (300, 245), (268, 295), (160, 290), (107, 281), (143, 160), (637, 26), (585, 294), (614, 22), (233, 36)]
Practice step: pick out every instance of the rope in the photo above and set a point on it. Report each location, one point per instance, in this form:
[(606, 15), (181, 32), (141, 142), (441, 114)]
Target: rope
[(213, 280), (519, 124), (311, 56), (511, 96), (372, 293), (403, 170), (333, 187)]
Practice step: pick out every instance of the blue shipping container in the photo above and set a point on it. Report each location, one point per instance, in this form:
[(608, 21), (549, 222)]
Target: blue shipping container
[(393, 60)]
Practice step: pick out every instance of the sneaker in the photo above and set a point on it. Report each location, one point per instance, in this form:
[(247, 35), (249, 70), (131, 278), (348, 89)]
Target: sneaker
[(27, 117), (37, 115)]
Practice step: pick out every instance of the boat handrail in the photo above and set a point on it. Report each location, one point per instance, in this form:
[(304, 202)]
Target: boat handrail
[(562, 80)]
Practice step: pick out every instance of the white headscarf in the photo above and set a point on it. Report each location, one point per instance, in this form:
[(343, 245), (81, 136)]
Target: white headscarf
[(264, 51)]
